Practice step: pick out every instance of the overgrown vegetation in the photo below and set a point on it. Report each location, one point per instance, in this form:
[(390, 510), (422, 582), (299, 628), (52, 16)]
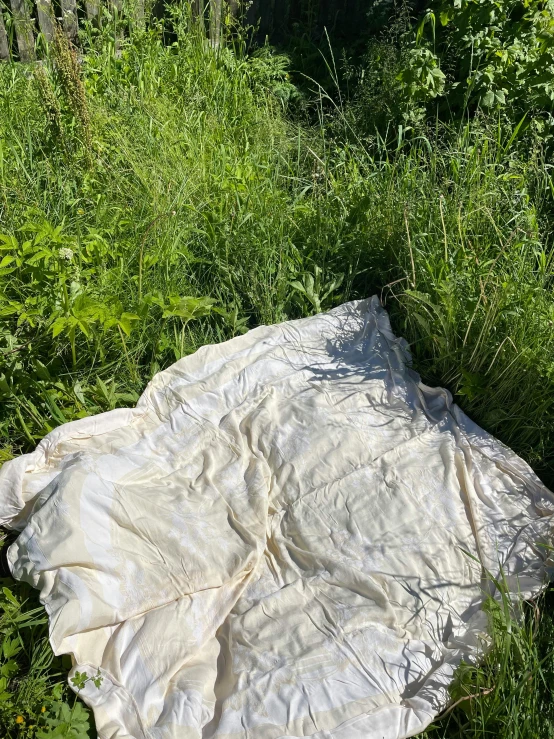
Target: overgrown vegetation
[(34, 699), (508, 694), (155, 197)]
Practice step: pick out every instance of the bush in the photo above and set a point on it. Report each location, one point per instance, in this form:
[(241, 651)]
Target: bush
[(461, 57)]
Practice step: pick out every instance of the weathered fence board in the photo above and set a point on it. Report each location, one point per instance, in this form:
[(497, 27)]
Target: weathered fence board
[(69, 19), (46, 18), (4, 46), (93, 11), (199, 11), (215, 22), (273, 19), (138, 14), (23, 24)]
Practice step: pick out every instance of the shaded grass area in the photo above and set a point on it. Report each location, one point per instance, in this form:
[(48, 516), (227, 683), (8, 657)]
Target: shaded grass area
[(184, 204), (508, 694)]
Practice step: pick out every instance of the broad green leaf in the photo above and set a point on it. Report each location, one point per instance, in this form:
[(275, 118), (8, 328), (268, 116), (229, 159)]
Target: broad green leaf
[(41, 370), (126, 321), (9, 668), (59, 325), (10, 596), (488, 99), (8, 309), (188, 307), (10, 647), (42, 254), (8, 241)]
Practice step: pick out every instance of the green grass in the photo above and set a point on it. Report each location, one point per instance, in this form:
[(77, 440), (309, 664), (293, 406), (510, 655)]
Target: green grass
[(202, 207), (508, 694)]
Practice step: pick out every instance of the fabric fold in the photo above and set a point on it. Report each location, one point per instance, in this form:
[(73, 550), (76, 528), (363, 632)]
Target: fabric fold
[(285, 538)]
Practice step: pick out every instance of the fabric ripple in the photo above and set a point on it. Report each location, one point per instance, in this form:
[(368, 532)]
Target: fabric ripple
[(285, 538)]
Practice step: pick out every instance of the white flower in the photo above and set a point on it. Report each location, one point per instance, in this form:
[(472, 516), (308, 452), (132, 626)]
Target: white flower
[(66, 253)]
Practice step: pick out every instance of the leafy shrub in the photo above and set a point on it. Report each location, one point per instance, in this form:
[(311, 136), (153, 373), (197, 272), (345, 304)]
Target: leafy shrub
[(461, 56), (499, 52), (496, 54)]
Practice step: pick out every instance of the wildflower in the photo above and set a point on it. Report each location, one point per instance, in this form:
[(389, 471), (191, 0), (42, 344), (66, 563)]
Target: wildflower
[(50, 102), (80, 211), (19, 720), (67, 67), (66, 253), (43, 709)]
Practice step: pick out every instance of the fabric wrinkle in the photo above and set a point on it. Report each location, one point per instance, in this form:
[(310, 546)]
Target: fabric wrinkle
[(289, 536)]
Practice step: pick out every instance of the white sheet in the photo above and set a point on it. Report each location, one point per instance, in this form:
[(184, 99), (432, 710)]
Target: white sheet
[(274, 542)]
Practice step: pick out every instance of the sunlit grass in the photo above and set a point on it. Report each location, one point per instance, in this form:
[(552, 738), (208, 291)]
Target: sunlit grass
[(201, 208)]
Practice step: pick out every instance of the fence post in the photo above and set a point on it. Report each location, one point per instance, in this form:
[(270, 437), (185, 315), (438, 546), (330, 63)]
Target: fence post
[(46, 18), (138, 13), (70, 23), (117, 10), (215, 22), (198, 8), (23, 30), (93, 11), (4, 46)]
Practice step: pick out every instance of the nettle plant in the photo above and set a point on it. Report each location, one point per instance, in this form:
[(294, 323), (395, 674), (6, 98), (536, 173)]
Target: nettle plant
[(51, 324), (48, 287), (62, 315), (493, 54)]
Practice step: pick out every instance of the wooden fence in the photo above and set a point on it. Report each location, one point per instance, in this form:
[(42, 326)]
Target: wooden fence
[(21, 21), (26, 19)]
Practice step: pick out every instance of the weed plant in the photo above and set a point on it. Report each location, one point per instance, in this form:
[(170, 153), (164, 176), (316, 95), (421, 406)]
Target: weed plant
[(508, 693)]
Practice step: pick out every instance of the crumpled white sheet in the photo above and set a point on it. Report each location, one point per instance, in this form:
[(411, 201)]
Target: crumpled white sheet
[(275, 542)]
